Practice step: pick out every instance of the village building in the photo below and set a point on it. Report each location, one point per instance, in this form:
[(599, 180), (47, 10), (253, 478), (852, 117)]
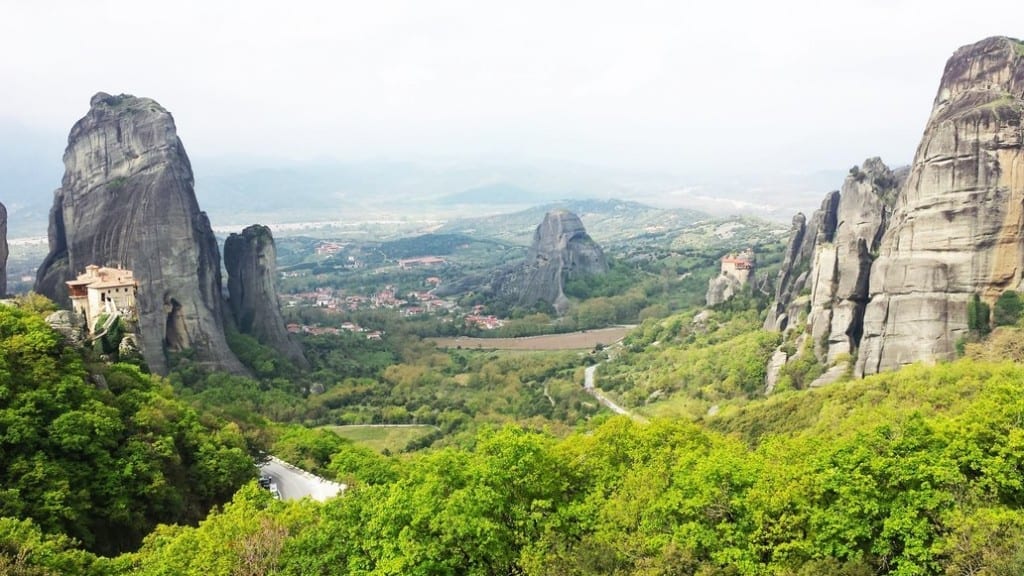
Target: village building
[(103, 291)]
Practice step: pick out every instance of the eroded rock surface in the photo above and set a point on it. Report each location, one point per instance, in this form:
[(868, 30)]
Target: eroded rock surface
[(561, 250), (251, 261), (796, 265), (958, 225), (127, 199)]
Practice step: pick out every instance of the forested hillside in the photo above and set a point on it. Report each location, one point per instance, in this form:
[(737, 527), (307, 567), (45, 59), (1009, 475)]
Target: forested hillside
[(101, 453), (915, 472)]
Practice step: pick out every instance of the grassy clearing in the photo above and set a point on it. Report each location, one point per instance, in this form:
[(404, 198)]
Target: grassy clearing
[(392, 438)]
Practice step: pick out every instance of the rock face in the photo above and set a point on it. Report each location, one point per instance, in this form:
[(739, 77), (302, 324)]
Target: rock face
[(561, 250), (796, 264), (3, 250), (251, 261), (721, 288), (823, 283), (127, 199), (958, 225), (842, 263)]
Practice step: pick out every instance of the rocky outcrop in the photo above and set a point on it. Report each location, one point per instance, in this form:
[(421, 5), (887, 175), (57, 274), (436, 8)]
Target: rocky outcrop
[(842, 263), (68, 325), (958, 225), (251, 262), (822, 287), (722, 288), (737, 269), (3, 250), (796, 265), (561, 250), (127, 199)]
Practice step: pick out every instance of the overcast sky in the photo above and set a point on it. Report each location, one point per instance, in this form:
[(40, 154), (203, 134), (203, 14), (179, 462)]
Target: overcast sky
[(667, 85)]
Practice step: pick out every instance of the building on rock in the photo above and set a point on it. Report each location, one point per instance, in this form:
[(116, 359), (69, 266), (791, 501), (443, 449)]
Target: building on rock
[(737, 269), (103, 291)]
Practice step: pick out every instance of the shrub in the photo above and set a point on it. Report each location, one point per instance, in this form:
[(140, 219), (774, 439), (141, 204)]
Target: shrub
[(1008, 309)]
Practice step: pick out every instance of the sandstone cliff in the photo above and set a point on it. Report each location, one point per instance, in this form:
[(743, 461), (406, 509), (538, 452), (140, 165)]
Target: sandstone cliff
[(3, 250), (561, 250), (958, 225), (251, 261), (842, 263), (822, 287), (127, 199)]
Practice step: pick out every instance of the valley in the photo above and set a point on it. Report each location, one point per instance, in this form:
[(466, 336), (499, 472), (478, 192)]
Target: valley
[(483, 380)]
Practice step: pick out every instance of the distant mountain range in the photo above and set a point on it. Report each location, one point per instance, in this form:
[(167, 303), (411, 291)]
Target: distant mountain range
[(235, 192)]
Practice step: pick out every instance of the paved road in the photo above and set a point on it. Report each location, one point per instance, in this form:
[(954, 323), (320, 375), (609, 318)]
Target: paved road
[(294, 484), (588, 385)]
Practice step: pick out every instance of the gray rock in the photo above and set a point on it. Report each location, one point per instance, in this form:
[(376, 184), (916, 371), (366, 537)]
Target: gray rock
[(561, 250), (721, 288), (3, 250), (70, 325), (793, 275), (842, 265), (127, 199), (775, 365), (957, 225), (128, 345), (251, 262), (831, 376)]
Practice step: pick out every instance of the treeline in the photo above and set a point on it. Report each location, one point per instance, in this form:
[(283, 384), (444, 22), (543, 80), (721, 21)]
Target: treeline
[(101, 453), (909, 473)]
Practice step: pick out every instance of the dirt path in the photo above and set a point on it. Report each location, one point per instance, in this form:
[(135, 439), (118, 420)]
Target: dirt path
[(583, 340)]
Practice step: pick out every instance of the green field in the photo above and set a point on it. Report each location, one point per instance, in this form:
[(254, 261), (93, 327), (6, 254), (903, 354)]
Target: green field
[(392, 438)]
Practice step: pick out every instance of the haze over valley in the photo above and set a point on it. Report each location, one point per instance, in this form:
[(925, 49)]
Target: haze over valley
[(511, 289)]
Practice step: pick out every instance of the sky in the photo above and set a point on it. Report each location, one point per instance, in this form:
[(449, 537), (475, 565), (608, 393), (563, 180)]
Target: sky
[(672, 86)]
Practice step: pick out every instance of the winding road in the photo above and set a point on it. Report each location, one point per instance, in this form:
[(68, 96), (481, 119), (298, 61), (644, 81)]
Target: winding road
[(588, 384), (294, 483)]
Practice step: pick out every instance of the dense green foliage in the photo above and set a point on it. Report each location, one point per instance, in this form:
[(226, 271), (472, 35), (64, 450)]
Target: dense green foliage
[(909, 473), (102, 453), (1008, 309), (978, 316), (691, 362)]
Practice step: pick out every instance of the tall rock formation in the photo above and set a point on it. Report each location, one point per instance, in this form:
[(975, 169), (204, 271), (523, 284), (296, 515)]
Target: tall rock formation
[(958, 225), (561, 250), (251, 261), (3, 250), (127, 199), (796, 265), (842, 262), (822, 287)]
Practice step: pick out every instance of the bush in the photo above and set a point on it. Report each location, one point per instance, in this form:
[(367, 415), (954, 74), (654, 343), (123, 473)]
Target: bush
[(977, 315), (1008, 309)]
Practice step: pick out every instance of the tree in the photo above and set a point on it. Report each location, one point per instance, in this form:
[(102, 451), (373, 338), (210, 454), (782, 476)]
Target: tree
[(1008, 309)]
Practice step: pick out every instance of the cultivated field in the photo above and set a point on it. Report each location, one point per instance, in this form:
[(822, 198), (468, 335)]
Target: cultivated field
[(584, 340)]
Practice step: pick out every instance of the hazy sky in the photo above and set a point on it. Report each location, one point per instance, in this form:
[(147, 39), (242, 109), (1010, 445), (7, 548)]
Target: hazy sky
[(675, 86)]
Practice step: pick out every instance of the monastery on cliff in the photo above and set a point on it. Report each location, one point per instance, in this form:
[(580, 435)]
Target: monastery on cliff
[(102, 290)]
